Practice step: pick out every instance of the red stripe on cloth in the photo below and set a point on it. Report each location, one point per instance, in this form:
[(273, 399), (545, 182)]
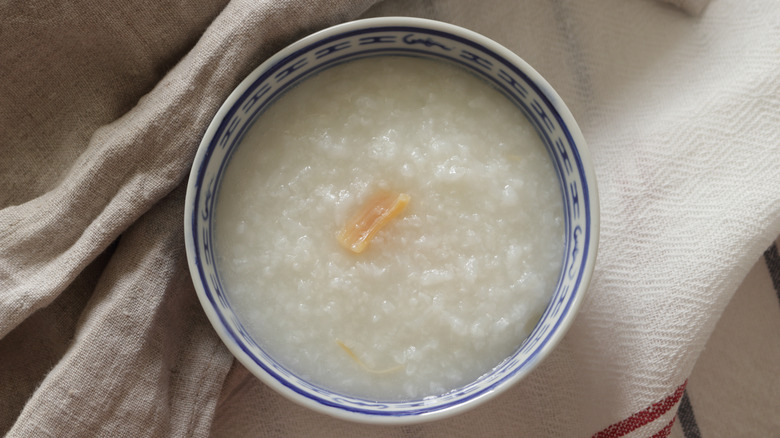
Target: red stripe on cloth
[(664, 433), (643, 417)]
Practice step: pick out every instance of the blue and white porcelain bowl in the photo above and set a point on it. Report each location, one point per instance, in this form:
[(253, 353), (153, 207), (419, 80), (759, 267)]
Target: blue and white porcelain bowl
[(379, 37)]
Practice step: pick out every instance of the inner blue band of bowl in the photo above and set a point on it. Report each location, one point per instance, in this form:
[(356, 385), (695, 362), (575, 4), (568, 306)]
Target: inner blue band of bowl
[(372, 408)]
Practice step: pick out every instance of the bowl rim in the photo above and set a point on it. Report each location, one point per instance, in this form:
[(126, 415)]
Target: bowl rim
[(587, 170)]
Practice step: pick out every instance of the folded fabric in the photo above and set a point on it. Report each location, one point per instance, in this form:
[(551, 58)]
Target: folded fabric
[(693, 7), (103, 107), (733, 388)]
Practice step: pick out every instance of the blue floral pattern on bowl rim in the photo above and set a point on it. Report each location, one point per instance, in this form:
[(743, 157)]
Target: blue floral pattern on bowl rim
[(406, 37)]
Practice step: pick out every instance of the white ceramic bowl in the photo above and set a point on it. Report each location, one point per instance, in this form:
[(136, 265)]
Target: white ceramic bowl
[(379, 37)]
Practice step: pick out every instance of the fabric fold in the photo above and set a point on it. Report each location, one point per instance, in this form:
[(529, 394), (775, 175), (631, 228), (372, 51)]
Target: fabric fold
[(693, 7), (98, 173), (144, 360)]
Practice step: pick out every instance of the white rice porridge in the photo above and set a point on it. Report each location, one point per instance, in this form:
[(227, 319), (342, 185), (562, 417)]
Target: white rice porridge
[(447, 289)]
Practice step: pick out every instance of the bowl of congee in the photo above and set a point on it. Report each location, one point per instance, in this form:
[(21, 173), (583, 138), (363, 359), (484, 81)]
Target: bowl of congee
[(392, 220)]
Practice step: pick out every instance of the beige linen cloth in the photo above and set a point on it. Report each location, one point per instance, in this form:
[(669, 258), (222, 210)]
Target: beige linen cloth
[(102, 105)]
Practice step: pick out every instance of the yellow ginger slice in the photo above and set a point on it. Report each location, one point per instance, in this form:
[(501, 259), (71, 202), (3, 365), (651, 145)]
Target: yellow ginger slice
[(374, 215), (363, 365)]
